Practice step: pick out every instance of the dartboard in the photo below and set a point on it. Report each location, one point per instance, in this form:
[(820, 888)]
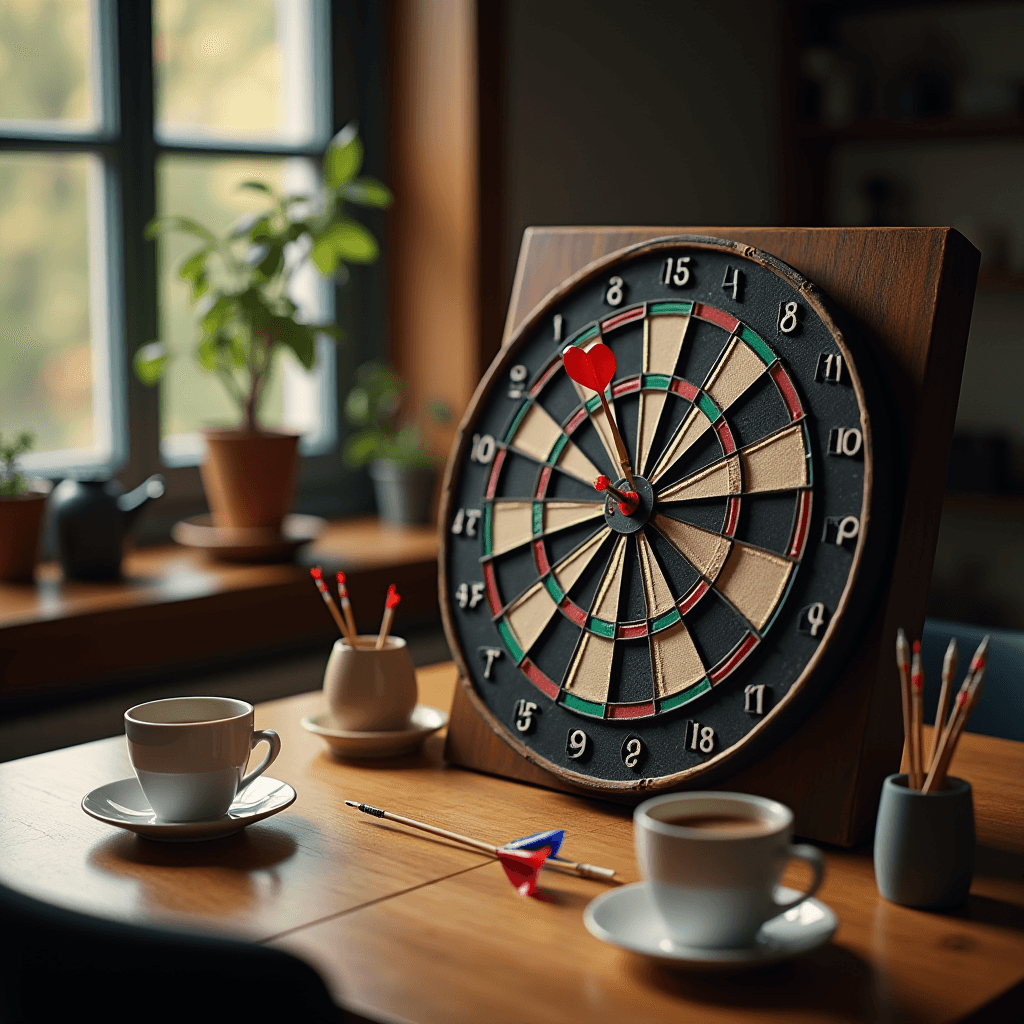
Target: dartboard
[(647, 579)]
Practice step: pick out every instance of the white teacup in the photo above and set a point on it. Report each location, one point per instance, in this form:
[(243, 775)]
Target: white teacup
[(189, 753), (713, 861), (369, 690)]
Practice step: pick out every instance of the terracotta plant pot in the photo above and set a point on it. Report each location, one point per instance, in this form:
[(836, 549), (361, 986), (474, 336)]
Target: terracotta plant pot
[(249, 478), (20, 520)]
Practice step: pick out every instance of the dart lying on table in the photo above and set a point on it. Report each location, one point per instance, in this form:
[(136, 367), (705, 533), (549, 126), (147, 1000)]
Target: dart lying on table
[(522, 858)]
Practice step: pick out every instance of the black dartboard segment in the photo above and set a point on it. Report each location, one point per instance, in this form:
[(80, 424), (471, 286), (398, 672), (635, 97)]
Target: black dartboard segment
[(663, 641)]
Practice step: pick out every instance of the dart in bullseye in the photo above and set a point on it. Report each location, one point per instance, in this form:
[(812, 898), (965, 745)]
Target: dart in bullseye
[(594, 368), (628, 501)]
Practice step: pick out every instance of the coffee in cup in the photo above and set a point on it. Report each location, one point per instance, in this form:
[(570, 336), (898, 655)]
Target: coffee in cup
[(713, 860), (190, 754)]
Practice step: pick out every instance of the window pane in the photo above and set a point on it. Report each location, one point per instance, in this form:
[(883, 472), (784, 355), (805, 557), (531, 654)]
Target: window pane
[(206, 189), (48, 368), (239, 71), (46, 62)]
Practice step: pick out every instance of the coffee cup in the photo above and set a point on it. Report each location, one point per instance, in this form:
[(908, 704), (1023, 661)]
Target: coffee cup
[(190, 754), (713, 861), (370, 690)]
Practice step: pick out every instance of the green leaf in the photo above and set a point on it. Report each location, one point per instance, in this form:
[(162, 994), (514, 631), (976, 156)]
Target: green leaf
[(150, 362), (324, 255), (258, 186), (366, 446), (367, 192), (218, 314), (237, 351), (206, 353), (357, 407), (343, 159), (271, 263), (194, 266), (351, 242), (300, 338), (191, 227), (254, 226)]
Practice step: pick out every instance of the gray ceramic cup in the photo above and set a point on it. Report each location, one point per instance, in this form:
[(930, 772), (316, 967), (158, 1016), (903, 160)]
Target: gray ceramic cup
[(716, 889), (924, 844)]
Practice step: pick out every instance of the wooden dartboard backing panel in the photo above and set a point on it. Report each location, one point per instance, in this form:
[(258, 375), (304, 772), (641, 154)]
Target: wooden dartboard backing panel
[(829, 769)]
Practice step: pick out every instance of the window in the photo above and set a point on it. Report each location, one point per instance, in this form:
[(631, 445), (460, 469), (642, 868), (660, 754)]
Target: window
[(113, 112)]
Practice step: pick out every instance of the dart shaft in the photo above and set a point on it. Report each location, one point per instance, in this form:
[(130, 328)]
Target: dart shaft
[(620, 448), (583, 870)]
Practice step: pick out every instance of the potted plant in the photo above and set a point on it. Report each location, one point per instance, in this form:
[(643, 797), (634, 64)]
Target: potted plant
[(240, 283), (21, 513), (401, 466)]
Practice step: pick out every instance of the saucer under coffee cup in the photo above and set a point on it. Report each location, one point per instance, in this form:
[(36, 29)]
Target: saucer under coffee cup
[(713, 862), (190, 754)]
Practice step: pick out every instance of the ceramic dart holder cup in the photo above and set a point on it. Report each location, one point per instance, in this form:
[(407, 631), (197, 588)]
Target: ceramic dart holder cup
[(924, 844), (369, 690)]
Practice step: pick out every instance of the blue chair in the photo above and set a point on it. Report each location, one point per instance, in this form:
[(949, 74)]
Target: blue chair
[(60, 965), (1000, 712)]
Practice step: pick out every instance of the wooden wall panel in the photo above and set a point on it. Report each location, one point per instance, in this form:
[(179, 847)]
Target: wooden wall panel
[(433, 251)]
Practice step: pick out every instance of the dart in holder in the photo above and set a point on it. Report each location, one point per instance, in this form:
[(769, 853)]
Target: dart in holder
[(390, 604), (521, 859), (346, 606), (924, 837)]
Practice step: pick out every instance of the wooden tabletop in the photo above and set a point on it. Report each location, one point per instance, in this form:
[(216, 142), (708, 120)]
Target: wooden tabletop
[(404, 926)]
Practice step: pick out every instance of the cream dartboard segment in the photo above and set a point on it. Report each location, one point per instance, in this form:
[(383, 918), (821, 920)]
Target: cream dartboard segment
[(690, 625)]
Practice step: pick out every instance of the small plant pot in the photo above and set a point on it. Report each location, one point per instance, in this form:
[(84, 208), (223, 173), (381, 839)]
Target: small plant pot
[(403, 495), (249, 479), (21, 517), (369, 690), (924, 844)]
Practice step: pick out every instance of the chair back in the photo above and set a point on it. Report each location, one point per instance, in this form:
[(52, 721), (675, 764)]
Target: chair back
[(1000, 712)]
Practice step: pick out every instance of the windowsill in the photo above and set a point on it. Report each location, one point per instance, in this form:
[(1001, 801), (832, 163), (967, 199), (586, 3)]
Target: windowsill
[(175, 608)]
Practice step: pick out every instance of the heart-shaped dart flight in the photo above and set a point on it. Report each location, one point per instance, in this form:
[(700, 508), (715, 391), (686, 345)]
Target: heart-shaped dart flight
[(522, 867), (593, 368)]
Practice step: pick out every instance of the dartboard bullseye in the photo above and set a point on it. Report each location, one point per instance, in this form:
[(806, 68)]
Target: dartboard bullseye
[(659, 502)]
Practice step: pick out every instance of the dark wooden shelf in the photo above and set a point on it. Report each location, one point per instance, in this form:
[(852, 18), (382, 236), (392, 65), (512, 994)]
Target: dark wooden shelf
[(175, 608), (878, 130)]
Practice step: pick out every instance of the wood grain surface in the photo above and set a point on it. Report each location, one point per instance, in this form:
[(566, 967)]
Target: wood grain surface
[(406, 926), (909, 294), (175, 606)]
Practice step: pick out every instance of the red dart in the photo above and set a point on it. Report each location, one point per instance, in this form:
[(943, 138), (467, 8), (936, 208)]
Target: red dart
[(628, 500), (522, 867), (593, 368)]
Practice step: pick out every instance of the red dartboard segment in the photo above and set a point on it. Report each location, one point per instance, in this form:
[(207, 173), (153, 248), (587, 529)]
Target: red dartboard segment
[(715, 316), (492, 482), (733, 660), (621, 319), (785, 386)]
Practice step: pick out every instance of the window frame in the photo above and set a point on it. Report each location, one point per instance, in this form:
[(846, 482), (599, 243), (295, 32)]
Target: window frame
[(128, 148)]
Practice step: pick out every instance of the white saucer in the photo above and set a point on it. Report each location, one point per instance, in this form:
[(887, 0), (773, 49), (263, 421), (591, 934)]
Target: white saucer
[(370, 745), (626, 917), (123, 804)]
